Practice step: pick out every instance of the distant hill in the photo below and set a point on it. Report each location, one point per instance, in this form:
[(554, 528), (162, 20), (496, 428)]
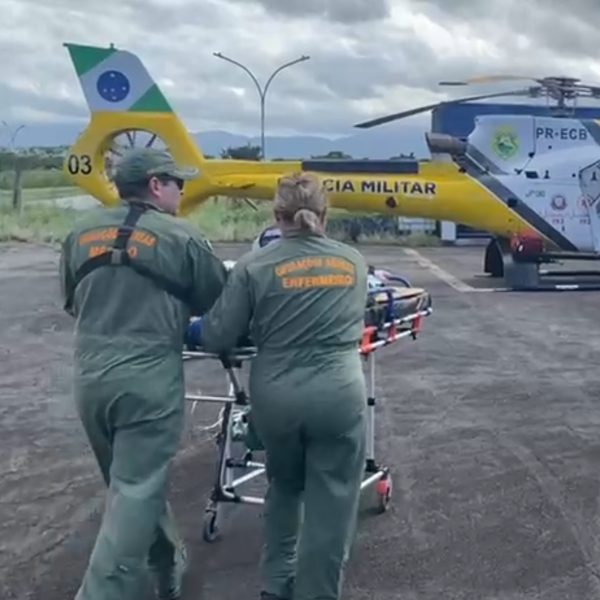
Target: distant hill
[(36, 134), (375, 143), (383, 142)]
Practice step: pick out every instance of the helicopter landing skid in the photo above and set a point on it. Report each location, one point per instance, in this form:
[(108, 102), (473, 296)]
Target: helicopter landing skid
[(523, 272), (526, 274), (527, 277)]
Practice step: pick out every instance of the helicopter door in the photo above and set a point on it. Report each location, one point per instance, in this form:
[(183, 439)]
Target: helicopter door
[(589, 182)]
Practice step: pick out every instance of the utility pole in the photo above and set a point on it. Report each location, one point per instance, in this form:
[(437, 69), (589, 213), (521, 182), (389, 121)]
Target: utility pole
[(17, 200), (262, 92)]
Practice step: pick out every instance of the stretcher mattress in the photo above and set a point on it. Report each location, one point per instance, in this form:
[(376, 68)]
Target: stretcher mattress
[(385, 305), (390, 303)]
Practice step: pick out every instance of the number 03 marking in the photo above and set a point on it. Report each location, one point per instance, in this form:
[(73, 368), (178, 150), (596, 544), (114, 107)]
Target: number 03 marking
[(79, 164)]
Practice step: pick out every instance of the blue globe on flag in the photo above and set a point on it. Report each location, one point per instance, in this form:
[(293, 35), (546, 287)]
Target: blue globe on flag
[(113, 86)]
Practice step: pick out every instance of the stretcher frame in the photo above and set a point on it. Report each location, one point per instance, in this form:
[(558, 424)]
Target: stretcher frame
[(226, 487)]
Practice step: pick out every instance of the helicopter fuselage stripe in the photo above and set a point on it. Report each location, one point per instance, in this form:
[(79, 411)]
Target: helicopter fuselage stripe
[(521, 208), (593, 129), (484, 161)]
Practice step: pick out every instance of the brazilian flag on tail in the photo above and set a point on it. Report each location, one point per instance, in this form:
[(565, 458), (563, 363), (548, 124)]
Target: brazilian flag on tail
[(115, 81)]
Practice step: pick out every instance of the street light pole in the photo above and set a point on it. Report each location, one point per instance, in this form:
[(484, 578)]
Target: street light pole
[(262, 92), (12, 135)]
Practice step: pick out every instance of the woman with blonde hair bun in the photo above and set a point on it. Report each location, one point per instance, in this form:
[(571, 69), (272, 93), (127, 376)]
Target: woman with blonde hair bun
[(301, 300), (300, 203)]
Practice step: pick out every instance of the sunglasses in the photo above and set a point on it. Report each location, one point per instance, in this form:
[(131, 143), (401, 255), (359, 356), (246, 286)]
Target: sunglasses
[(167, 178)]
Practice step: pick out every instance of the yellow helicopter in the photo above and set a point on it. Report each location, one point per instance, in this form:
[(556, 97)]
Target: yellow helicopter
[(511, 177)]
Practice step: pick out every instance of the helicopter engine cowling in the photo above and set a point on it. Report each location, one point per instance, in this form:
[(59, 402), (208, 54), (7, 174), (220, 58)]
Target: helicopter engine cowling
[(441, 143)]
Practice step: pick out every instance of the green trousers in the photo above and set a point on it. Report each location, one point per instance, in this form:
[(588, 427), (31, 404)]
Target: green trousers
[(312, 423), (134, 427)]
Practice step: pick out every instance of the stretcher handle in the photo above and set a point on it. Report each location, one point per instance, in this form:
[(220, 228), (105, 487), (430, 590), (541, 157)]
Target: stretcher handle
[(393, 331), (388, 276), (399, 279), (389, 292)]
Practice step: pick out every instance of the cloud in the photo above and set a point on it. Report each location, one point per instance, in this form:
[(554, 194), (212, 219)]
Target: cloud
[(367, 58), (342, 11), (545, 27)]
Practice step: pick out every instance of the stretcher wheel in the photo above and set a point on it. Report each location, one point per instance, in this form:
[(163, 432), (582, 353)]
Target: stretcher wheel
[(384, 493), (210, 530)]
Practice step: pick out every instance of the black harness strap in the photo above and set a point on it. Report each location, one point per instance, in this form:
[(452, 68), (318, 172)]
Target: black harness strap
[(118, 256)]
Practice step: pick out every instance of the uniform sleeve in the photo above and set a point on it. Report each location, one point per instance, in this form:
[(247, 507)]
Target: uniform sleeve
[(229, 319), (66, 277), (208, 276)]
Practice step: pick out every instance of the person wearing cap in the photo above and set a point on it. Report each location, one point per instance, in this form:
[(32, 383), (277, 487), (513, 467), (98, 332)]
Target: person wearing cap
[(132, 276), (301, 300)]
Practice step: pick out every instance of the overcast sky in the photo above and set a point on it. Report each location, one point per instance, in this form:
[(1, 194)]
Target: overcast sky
[(368, 57)]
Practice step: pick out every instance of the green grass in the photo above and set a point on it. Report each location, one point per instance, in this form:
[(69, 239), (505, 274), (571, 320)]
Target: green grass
[(33, 194), (226, 220), (223, 221), (410, 240), (44, 223), (231, 221), (37, 178)]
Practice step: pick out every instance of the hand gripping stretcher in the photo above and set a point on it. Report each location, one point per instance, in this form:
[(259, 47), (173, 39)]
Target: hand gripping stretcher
[(394, 311)]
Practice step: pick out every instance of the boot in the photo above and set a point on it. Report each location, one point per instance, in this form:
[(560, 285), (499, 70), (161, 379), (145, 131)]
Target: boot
[(169, 578)]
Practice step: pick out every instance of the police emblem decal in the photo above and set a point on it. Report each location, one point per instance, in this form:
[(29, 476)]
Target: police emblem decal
[(505, 142)]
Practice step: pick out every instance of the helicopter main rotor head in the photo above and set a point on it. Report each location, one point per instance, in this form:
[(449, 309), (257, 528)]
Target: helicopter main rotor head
[(559, 88)]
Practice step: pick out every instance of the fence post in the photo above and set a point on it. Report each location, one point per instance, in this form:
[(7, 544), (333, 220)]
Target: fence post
[(17, 200)]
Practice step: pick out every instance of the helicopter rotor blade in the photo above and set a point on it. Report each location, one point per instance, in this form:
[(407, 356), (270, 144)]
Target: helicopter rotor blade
[(488, 79), (422, 109), (400, 115), (562, 85)]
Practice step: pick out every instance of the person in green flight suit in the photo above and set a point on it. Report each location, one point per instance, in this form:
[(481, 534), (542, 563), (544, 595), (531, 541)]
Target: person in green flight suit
[(301, 301), (132, 275)]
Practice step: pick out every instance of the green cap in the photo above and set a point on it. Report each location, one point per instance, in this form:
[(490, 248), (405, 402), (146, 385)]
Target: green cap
[(141, 163)]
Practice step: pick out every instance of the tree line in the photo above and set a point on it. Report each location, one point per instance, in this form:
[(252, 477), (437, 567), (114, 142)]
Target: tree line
[(51, 159), (250, 152), (30, 161)]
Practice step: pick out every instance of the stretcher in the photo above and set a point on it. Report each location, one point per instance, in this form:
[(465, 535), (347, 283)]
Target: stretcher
[(394, 311)]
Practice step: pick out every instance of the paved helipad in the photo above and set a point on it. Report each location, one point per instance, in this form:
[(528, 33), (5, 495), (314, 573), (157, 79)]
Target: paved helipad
[(490, 422)]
